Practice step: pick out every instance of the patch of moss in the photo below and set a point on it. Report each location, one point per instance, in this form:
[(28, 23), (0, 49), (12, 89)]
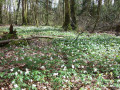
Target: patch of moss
[(19, 43)]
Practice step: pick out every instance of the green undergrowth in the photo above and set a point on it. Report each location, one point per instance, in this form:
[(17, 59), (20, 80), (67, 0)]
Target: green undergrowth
[(91, 61)]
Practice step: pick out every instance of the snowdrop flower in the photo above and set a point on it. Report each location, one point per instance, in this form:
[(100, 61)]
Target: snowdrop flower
[(95, 69), (73, 66), (62, 66), (51, 58), (42, 67), (118, 81), (31, 80), (16, 86), (16, 73), (82, 66), (11, 69), (85, 71), (44, 87), (27, 71), (55, 74), (63, 76), (13, 82), (30, 59), (66, 80), (16, 58), (33, 85)]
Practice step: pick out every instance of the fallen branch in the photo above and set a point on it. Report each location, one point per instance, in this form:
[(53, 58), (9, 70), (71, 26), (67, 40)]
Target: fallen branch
[(29, 38)]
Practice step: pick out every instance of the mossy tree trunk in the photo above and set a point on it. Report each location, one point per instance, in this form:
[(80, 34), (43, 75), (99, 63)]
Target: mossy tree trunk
[(24, 12), (67, 25), (73, 15), (47, 15)]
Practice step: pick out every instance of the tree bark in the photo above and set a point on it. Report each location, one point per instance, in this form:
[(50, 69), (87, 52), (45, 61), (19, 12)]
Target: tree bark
[(18, 6), (47, 15), (0, 12), (73, 14), (24, 12), (98, 14), (66, 25)]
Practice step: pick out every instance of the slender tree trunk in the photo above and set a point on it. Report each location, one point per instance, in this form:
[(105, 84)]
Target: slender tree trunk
[(67, 25), (18, 6), (73, 15), (24, 12), (47, 15), (0, 12), (36, 13), (98, 14)]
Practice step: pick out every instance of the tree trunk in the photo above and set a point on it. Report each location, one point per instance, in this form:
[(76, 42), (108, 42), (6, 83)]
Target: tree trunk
[(0, 12), (24, 12), (66, 25), (73, 15), (47, 15), (17, 11), (98, 14)]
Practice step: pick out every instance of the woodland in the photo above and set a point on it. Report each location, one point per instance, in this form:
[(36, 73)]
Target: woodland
[(59, 44)]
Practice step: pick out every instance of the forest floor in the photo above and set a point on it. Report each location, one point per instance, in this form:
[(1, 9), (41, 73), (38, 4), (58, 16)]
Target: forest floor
[(91, 62)]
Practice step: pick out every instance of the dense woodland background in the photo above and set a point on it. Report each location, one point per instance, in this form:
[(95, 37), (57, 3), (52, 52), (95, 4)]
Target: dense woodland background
[(89, 14)]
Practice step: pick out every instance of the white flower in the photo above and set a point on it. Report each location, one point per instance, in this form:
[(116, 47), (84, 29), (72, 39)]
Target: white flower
[(42, 67), (11, 69), (15, 85), (62, 66), (16, 73), (55, 74), (31, 80), (51, 58), (95, 69), (63, 76), (85, 71), (82, 66), (66, 80), (16, 58), (2, 88), (118, 81), (27, 71), (13, 82), (33, 85), (44, 87), (73, 66)]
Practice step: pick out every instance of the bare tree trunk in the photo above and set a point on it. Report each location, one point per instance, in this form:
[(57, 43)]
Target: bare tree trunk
[(24, 12), (67, 25), (0, 12), (17, 11), (73, 15), (98, 14)]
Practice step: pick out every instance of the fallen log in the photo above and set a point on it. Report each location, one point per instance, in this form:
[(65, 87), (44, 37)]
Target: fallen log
[(29, 38)]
